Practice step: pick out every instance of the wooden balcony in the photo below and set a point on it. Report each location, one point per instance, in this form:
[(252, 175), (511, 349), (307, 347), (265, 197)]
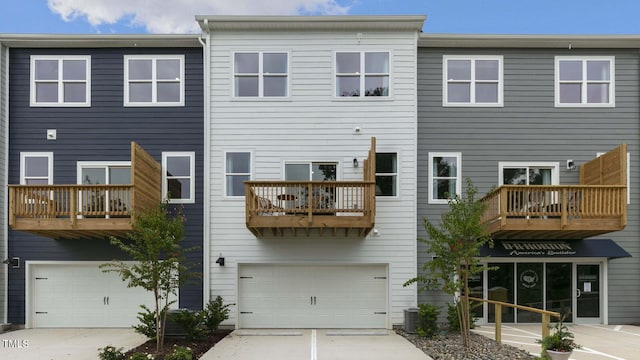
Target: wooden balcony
[(86, 211), (334, 207), (596, 206), (555, 212)]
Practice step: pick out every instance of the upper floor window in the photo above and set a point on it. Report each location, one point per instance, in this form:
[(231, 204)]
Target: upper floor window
[(528, 173), (237, 170), (584, 81), (61, 80), (386, 174), (261, 74), (36, 168), (363, 73), (472, 80), (178, 176), (445, 177), (154, 80)]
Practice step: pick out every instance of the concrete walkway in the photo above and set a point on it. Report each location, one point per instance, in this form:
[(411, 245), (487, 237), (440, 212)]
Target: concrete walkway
[(67, 344), (618, 342), (314, 345)]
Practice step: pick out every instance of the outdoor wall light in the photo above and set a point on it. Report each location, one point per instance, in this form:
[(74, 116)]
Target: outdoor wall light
[(571, 165), (14, 261), (355, 162), (220, 260)]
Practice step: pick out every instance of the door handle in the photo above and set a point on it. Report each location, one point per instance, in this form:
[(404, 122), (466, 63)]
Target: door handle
[(104, 300), (311, 300), (314, 300)]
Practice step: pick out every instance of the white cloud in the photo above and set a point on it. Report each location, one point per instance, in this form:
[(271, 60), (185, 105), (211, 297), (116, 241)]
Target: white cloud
[(177, 16)]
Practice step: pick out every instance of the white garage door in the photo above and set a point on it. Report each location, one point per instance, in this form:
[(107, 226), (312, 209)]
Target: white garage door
[(293, 296), (81, 295)]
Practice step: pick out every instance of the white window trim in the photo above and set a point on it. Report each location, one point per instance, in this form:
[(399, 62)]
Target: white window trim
[(260, 75), (472, 101), (598, 154), (154, 81), (458, 156), (396, 174), (225, 173), (554, 166), (192, 178), (363, 75), (24, 155), (60, 81), (584, 82)]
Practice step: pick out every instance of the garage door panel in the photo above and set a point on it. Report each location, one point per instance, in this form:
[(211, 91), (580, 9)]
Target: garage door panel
[(296, 296)]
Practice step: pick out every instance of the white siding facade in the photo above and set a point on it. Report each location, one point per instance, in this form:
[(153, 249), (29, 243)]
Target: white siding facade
[(311, 124)]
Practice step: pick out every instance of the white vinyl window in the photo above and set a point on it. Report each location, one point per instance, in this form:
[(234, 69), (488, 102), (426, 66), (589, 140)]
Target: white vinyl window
[(584, 81), (60, 80), (237, 170), (178, 177), (36, 168), (154, 80), (445, 176), (99, 201), (387, 174), (362, 73), (261, 74), (598, 154), (528, 173), (472, 80)]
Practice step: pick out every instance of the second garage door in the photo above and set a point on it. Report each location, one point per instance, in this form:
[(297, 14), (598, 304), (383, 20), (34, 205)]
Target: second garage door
[(296, 296)]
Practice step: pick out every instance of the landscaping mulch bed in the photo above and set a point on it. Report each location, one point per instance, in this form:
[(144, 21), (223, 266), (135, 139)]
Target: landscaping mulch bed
[(199, 347)]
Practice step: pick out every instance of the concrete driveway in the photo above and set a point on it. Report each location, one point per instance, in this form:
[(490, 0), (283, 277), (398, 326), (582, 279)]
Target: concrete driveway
[(76, 344), (314, 345)]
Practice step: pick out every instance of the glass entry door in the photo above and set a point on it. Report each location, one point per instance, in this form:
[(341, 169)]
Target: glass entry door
[(587, 293)]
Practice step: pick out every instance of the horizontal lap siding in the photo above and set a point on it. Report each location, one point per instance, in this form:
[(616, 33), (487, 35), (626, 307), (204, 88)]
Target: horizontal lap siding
[(530, 128), (314, 126), (3, 178), (103, 132)]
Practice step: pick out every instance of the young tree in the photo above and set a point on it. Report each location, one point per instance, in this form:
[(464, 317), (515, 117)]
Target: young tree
[(158, 262), (455, 247)]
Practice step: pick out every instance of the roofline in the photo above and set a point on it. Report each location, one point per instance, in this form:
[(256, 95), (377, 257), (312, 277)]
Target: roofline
[(528, 41), (336, 22), (99, 41)]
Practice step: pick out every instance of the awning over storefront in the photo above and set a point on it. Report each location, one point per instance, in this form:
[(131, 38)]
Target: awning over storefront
[(555, 248)]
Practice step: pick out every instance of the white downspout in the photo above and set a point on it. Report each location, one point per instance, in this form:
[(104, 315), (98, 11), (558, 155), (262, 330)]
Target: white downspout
[(5, 231), (206, 54)]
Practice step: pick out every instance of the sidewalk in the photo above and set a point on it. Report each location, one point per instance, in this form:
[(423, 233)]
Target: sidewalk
[(619, 342)]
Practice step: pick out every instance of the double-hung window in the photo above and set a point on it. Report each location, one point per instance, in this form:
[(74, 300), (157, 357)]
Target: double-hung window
[(36, 168), (237, 170), (178, 177), (362, 73), (445, 177), (261, 74), (61, 80), (584, 81), (386, 174), (154, 80), (472, 80)]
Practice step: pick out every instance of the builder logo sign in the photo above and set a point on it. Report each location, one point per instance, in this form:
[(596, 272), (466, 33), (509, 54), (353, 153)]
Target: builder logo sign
[(529, 279), (538, 248)]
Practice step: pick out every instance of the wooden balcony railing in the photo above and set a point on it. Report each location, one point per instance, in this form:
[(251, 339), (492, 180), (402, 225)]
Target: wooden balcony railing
[(279, 205), (555, 212), (86, 211)]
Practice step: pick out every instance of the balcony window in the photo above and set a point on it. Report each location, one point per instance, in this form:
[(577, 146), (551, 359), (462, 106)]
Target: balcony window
[(445, 174), (519, 173), (61, 80), (154, 80), (360, 74), (178, 177), (237, 171), (36, 168), (584, 81)]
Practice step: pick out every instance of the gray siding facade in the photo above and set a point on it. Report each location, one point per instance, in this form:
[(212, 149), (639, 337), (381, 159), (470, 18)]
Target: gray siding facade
[(3, 179), (530, 128), (102, 132)]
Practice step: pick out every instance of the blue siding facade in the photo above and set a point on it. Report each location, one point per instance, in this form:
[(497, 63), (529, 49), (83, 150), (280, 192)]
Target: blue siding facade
[(102, 132)]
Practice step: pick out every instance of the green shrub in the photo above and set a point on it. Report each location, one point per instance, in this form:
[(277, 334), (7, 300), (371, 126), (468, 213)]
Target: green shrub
[(452, 316), (180, 353), (147, 320), (190, 322), (428, 320), (110, 352), (215, 313), (141, 356)]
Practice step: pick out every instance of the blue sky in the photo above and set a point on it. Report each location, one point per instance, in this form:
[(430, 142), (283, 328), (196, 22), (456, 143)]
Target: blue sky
[(443, 16)]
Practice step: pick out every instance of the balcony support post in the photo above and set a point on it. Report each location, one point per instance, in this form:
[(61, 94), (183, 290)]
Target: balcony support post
[(310, 202), (564, 209), (503, 207), (73, 205)]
